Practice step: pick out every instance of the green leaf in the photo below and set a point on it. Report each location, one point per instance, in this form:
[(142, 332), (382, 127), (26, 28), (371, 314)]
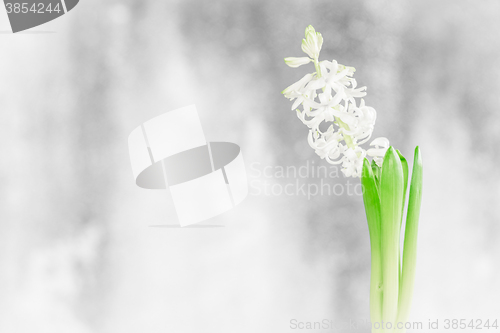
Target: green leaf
[(391, 204), (410, 243), (404, 164), (371, 200)]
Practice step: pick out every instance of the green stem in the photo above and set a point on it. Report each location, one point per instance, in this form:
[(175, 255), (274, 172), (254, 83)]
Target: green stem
[(316, 66), (347, 138)]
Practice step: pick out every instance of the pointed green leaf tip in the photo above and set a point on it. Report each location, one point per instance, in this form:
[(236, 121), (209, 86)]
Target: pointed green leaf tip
[(404, 164), (391, 203)]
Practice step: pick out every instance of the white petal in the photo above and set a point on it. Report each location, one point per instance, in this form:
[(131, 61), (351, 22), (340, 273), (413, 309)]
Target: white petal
[(376, 152), (296, 62), (380, 142), (297, 102), (316, 84)]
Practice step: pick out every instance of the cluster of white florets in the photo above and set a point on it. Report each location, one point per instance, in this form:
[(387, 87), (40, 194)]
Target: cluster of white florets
[(338, 102)]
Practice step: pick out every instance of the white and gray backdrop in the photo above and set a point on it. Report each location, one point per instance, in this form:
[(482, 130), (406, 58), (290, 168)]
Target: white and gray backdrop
[(77, 250)]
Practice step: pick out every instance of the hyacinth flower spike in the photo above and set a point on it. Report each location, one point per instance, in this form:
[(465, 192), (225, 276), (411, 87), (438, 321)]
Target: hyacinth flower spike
[(331, 99)]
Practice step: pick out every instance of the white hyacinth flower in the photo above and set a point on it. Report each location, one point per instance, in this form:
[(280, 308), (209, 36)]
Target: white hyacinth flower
[(339, 121)]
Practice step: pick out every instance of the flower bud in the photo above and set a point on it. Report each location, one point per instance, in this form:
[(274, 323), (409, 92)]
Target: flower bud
[(312, 43)]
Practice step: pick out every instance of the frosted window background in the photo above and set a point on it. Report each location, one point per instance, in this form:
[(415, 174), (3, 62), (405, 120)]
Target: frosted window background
[(78, 250)]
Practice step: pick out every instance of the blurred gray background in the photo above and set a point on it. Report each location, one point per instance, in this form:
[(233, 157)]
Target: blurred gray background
[(77, 250)]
